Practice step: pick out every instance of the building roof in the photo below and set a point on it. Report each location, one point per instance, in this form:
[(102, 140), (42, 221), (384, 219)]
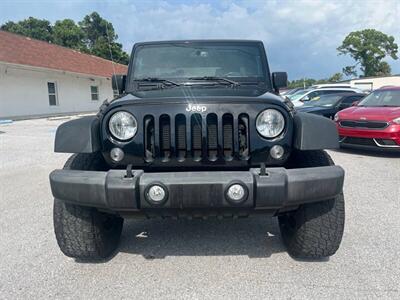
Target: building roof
[(17, 49), (369, 77)]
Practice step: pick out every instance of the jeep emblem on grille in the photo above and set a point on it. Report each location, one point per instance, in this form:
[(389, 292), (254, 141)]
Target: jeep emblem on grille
[(196, 108)]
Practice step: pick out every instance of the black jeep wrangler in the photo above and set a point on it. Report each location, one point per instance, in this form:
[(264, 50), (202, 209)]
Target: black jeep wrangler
[(198, 130)]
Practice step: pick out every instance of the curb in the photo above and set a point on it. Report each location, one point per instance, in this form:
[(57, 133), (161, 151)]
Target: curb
[(59, 118)]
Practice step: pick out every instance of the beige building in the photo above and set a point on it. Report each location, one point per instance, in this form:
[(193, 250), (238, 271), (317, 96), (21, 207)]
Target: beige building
[(373, 83), (42, 79)]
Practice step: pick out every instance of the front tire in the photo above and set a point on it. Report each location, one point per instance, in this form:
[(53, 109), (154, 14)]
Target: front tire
[(84, 232), (314, 230)]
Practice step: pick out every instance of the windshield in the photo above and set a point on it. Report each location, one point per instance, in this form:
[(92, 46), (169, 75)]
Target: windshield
[(298, 95), (181, 61), (382, 98), (294, 91), (325, 100)]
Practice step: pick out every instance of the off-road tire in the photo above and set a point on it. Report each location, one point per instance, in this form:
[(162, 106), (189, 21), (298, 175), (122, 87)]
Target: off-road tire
[(84, 232), (314, 230)]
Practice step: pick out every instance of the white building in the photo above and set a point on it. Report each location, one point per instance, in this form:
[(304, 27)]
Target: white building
[(373, 83), (42, 79)]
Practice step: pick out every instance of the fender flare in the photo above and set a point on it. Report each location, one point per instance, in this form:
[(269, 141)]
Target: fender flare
[(313, 132), (78, 136)]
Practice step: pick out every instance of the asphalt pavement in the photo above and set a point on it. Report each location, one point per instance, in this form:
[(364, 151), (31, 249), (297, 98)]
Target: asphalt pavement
[(230, 259)]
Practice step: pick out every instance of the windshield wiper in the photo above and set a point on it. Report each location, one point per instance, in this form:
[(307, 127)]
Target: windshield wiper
[(216, 79), (158, 80)]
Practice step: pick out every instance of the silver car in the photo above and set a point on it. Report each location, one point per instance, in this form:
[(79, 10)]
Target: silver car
[(301, 97)]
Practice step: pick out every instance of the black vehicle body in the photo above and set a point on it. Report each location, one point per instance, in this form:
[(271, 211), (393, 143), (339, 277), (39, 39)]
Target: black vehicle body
[(246, 152), (196, 139), (343, 101)]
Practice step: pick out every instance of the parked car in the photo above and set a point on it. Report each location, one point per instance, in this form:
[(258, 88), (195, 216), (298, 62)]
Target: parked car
[(374, 123), (291, 91), (182, 141), (331, 85), (329, 105), (300, 98)]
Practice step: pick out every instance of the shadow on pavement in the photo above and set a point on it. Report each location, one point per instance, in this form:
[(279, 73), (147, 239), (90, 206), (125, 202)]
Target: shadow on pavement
[(255, 237)]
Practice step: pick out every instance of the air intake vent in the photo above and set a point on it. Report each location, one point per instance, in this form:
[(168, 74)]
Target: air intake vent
[(227, 123), (244, 136), (149, 138), (180, 135), (212, 136), (364, 124), (196, 127), (165, 137)]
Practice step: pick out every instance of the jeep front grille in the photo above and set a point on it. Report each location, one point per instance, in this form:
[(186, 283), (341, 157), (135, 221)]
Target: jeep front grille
[(196, 137)]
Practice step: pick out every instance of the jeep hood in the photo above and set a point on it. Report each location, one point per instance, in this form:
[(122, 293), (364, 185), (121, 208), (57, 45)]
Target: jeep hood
[(246, 91), (370, 113), (194, 96)]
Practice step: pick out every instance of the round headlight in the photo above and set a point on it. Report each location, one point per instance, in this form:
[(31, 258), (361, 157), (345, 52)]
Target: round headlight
[(122, 125), (270, 123)]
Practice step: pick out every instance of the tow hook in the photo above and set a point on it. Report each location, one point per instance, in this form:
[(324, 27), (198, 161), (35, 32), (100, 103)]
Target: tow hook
[(263, 171)]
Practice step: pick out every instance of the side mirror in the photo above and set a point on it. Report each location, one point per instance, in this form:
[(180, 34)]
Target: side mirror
[(279, 80), (305, 99), (118, 83), (355, 103)]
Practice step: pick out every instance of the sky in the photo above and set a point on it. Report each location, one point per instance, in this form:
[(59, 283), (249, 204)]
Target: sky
[(300, 37)]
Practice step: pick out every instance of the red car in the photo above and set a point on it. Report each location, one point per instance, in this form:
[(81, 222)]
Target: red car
[(374, 123)]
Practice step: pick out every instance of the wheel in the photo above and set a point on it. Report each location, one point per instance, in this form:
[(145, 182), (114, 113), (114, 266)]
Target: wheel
[(84, 232), (314, 230)]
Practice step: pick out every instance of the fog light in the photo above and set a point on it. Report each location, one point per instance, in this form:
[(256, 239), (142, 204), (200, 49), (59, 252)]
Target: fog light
[(236, 193), (156, 193), (117, 154), (277, 152)]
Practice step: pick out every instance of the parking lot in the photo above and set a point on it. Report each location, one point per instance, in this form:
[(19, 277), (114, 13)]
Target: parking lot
[(242, 258)]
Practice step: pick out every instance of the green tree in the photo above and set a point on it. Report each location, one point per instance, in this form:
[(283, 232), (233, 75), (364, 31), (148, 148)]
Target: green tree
[(336, 77), (350, 71), (100, 38), (305, 82), (93, 35), (68, 34), (31, 27), (368, 48), (383, 69)]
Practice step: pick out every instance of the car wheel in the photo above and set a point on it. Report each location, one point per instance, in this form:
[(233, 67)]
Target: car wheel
[(84, 232), (314, 230)]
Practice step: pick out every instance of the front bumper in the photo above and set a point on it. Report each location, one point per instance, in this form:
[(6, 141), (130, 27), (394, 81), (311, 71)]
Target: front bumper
[(387, 139), (279, 188)]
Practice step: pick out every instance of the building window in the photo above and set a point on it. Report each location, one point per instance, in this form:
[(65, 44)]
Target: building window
[(52, 89), (94, 90)]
